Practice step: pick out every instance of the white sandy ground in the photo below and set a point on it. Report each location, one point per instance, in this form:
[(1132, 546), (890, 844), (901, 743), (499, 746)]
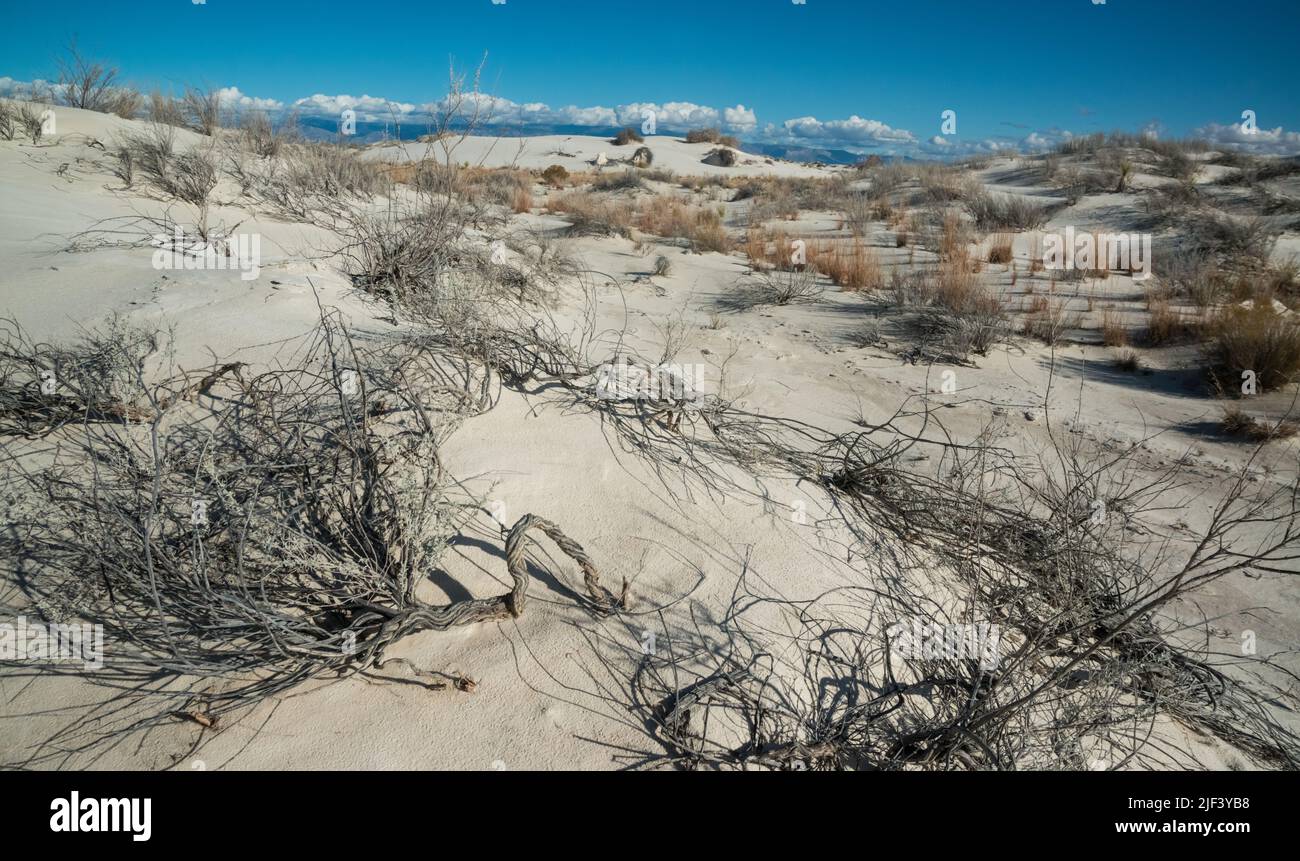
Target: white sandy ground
[(534, 708), (580, 152)]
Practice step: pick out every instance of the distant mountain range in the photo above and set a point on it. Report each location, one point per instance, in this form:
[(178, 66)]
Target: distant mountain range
[(321, 128)]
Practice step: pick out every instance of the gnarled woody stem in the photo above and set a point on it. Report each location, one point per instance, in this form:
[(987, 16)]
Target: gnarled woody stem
[(511, 604)]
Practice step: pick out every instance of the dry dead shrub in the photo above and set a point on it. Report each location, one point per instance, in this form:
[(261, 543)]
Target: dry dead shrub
[(712, 135), (774, 287), (126, 103), (86, 83), (203, 110), (165, 110), (769, 248), (954, 239), (237, 533)]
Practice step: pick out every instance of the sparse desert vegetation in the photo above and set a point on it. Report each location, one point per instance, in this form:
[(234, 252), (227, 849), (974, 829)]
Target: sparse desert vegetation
[(775, 414)]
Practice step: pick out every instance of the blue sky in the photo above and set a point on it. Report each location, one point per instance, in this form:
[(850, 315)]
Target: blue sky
[(1013, 71)]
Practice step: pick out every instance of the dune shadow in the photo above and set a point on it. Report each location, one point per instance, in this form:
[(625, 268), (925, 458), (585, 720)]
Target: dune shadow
[(1177, 382)]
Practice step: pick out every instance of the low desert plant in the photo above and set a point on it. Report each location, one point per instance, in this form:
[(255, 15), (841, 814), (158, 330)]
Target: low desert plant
[(849, 265), (1128, 361), (775, 287), (1000, 249), (555, 176), (712, 135), (626, 136), (8, 120), (1238, 424), (522, 201), (203, 110), (86, 83), (1006, 212), (1123, 175), (124, 165), (1113, 331), (260, 136), (722, 157), (620, 180), (643, 157), (166, 109), (590, 214), (667, 216), (31, 121), (943, 184), (1049, 319), (1167, 325), (1241, 243), (126, 103), (1252, 343)]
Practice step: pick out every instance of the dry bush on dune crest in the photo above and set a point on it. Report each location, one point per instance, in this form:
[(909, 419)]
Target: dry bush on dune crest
[(165, 109), (203, 110), (627, 136), (86, 83), (712, 135), (188, 175), (8, 120)]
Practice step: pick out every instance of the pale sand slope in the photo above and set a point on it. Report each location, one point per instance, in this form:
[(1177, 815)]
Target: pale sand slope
[(579, 152), (535, 707)]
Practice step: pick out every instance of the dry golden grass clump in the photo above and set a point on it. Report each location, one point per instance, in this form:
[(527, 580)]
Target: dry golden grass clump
[(1113, 331), (1000, 249), (671, 217), (1253, 340), (849, 264), (555, 175), (1049, 319), (1168, 324), (626, 136), (712, 135), (591, 214), (1237, 423), (769, 248)]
